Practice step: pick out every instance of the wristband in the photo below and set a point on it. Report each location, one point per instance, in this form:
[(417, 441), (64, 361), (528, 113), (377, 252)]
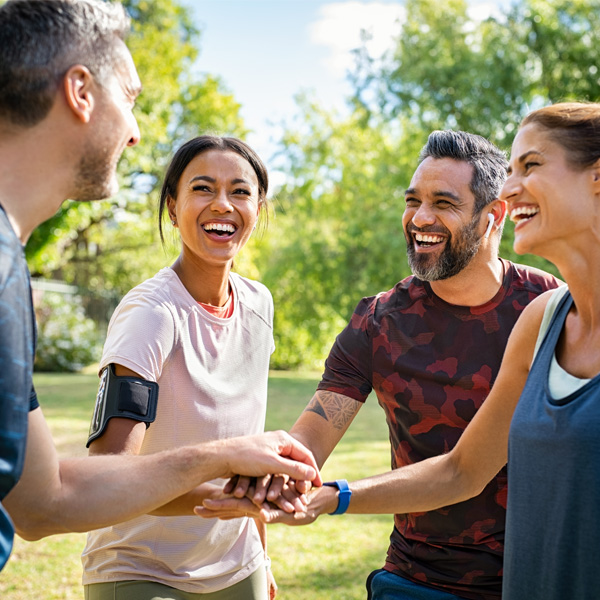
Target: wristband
[(267, 563), (344, 495)]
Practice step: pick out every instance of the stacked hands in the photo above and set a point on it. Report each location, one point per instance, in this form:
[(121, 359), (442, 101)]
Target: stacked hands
[(272, 499)]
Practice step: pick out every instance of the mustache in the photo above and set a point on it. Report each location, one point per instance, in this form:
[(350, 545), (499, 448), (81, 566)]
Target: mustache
[(414, 229)]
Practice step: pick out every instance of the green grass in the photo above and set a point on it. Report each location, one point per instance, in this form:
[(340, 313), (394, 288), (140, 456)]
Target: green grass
[(329, 559)]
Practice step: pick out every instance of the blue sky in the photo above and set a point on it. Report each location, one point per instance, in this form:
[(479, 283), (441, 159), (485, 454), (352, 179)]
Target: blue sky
[(267, 51)]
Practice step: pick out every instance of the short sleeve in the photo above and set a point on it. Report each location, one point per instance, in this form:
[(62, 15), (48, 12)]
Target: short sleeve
[(140, 336), (33, 399), (348, 368)]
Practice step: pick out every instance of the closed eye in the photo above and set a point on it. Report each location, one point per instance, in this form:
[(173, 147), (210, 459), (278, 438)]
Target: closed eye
[(444, 203)]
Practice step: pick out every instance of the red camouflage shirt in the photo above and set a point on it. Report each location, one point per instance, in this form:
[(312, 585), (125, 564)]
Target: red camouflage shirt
[(432, 365)]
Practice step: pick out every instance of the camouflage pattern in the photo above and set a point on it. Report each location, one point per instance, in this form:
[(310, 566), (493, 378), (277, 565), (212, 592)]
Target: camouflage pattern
[(432, 364)]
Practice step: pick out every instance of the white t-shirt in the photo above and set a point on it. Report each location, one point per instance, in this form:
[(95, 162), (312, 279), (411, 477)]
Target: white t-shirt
[(212, 375)]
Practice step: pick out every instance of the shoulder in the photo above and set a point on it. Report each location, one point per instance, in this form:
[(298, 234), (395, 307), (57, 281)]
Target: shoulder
[(253, 295), (404, 295), (533, 280), (528, 325), (374, 309), (250, 287), (153, 299)]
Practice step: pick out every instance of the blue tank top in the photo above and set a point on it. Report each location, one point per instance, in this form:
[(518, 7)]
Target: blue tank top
[(553, 518)]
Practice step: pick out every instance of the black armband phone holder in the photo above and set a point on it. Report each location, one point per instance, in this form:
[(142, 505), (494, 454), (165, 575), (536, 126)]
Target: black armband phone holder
[(125, 397)]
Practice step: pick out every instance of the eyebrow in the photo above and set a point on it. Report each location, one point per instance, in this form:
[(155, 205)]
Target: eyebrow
[(523, 158), (213, 180), (438, 194), (526, 154)]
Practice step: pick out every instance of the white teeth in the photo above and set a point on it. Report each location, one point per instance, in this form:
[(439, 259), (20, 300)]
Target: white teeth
[(428, 238), (227, 227), (523, 211)]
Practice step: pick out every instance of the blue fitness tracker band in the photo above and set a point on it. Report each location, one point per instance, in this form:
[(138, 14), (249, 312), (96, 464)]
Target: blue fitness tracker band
[(344, 495)]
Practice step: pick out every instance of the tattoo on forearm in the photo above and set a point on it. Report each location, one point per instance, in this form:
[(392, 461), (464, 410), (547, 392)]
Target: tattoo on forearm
[(336, 408)]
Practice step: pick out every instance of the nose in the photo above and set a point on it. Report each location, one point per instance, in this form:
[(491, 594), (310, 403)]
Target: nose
[(135, 133), (423, 216), (221, 202), (511, 188)]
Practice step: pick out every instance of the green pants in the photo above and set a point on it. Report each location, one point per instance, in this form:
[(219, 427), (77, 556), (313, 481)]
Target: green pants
[(251, 588)]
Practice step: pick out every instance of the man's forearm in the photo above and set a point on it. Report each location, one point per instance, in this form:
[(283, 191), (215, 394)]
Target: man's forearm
[(98, 491)]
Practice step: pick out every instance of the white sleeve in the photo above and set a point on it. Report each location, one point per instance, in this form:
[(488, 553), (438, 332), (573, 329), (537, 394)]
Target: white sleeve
[(141, 336)]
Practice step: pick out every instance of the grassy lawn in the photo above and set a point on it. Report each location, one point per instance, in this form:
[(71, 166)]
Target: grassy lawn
[(329, 559)]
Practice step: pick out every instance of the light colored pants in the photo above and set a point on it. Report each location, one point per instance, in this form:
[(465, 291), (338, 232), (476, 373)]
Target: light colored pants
[(251, 588)]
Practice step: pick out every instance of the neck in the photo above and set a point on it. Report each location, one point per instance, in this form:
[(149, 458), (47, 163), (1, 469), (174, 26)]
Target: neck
[(206, 283), (579, 263), (32, 178), (475, 285)]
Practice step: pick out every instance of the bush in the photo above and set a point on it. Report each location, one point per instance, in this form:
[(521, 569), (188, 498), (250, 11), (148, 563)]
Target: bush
[(67, 339)]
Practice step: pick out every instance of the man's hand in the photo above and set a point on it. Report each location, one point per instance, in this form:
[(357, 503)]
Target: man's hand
[(272, 452), (320, 500), (279, 490)]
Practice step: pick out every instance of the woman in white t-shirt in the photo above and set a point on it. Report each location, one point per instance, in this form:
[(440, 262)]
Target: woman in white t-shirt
[(205, 336)]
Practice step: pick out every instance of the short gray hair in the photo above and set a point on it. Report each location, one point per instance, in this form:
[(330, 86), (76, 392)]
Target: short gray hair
[(41, 39), (489, 162)]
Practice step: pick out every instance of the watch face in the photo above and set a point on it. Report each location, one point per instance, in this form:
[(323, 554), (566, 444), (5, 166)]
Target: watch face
[(98, 416)]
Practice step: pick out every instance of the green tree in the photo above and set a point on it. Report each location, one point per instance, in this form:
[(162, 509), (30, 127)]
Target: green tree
[(109, 246), (447, 70), (338, 233)]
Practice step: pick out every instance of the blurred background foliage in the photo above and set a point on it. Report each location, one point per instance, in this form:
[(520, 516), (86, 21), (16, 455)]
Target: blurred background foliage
[(337, 234)]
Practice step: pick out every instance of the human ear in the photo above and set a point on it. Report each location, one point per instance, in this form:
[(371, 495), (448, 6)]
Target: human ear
[(171, 209), (496, 212), (78, 92), (596, 176)]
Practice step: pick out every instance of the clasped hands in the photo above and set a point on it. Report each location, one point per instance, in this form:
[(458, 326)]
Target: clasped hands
[(272, 499)]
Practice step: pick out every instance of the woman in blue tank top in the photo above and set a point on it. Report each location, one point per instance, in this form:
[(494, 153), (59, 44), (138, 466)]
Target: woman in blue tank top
[(550, 372), (549, 379)]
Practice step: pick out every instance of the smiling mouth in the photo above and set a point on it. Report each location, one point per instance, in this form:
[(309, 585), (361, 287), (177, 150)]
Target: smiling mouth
[(220, 229), (520, 214), (427, 240)]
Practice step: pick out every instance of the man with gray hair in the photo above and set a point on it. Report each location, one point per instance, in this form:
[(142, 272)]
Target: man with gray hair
[(430, 349), (67, 90)]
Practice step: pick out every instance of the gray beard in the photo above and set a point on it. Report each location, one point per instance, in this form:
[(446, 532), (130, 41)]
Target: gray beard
[(457, 254)]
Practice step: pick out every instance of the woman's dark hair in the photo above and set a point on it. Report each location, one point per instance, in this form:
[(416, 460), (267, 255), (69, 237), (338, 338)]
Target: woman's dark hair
[(573, 125), (198, 145)]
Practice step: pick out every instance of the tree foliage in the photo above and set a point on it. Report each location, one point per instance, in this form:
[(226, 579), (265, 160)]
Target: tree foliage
[(109, 246), (338, 234), (447, 70)]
